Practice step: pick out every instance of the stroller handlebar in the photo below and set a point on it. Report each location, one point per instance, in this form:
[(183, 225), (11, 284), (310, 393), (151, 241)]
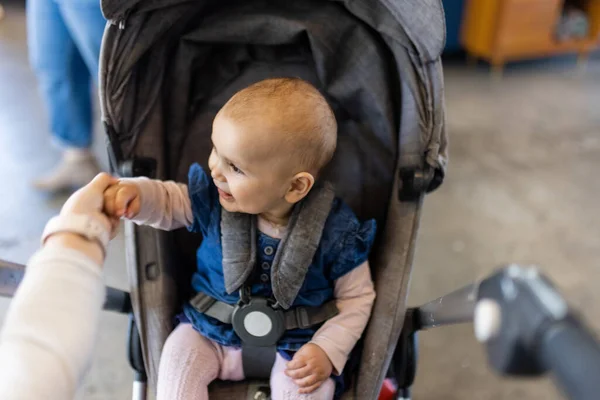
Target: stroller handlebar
[(525, 325), (528, 330), (573, 355)]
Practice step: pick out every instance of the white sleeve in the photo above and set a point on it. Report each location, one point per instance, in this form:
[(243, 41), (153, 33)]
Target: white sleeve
[(164, 205), (49, 332)]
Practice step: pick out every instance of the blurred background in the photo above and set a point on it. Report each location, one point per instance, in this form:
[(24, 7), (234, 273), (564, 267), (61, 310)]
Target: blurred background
[(522, 94)]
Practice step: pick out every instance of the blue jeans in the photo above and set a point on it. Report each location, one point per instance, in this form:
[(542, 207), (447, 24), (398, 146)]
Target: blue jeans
[(64, 38)]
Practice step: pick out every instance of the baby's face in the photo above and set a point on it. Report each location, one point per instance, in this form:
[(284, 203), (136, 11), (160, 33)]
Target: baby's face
[(249, 168)]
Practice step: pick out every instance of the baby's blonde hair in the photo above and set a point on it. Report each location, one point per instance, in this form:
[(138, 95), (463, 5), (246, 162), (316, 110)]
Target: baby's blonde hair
[(297, 111)]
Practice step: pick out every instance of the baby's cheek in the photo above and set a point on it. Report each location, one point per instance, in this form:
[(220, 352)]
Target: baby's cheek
[(250, 201), (240, 188)]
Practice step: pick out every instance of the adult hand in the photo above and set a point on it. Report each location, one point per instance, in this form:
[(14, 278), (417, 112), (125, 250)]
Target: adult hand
[(89, 200)]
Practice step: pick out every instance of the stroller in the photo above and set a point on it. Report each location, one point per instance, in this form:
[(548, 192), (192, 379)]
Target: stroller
[(167, 66)]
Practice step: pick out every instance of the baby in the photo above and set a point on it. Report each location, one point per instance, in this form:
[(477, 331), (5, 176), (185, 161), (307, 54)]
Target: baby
[(268, 233)]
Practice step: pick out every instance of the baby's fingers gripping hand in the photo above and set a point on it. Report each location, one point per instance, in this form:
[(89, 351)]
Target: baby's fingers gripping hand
[(127, 200)]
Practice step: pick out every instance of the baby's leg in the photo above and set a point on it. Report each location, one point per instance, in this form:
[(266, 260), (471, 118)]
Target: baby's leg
[(188, 364), (284, 388)]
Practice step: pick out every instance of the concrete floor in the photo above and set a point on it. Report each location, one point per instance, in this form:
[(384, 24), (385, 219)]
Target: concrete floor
[(522, 187)]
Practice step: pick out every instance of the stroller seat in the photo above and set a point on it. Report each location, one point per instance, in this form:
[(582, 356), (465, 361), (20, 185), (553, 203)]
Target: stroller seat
[(167, 66)]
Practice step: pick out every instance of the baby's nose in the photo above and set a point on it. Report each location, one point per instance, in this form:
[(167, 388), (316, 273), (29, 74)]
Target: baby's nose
[(216, 174)]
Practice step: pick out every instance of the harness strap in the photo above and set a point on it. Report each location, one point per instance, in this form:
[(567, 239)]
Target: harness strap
[(305, 317), (295, 318), (212, 307), (258, 361)]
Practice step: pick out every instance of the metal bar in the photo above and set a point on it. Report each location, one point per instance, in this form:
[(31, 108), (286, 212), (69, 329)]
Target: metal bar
[(139, 390), (117, 300), (454, 308), (11, 275)]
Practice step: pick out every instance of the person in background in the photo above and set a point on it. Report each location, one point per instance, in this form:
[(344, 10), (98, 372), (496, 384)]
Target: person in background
[(48, 335), (64, 39)]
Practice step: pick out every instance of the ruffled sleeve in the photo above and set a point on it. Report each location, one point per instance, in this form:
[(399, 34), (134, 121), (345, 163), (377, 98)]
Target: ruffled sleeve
[(352, 243), (204, 198)]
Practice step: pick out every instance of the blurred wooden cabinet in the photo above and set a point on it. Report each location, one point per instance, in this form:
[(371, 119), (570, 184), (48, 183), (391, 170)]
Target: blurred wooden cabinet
[(499, 31)]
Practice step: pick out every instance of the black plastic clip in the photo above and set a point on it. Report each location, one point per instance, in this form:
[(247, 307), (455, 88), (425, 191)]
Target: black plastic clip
[(134, 353), (132, 167), (245, 294), (416, 182), (403, 367), (138, 166)]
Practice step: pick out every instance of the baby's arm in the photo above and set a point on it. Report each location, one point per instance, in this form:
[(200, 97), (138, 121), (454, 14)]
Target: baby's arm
[(354, 294), (332, 343), (160, 204)]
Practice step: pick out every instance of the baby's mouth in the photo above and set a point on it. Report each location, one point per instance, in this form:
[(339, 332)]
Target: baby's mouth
[(224, 195)]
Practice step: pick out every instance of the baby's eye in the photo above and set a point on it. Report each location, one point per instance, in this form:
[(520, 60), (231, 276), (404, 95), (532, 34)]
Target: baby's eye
[(235, 169)]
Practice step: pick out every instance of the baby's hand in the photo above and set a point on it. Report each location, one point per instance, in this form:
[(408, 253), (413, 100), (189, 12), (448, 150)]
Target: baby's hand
[(309, 368), (122, 200)]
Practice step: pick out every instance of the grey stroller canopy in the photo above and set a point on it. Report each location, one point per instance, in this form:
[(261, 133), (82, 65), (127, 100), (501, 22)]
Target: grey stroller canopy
[(167, 66)]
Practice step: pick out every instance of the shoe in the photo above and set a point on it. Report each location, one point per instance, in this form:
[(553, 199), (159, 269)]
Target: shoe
[(76, 169)]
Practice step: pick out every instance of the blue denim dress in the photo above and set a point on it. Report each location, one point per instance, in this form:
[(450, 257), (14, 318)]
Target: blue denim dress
[(345, 244)]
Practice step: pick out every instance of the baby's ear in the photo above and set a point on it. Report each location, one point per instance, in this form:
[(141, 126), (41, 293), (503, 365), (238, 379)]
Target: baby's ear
[(300, 186)]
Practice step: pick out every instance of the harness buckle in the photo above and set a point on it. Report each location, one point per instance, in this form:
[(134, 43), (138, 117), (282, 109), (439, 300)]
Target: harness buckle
[(257, 323)]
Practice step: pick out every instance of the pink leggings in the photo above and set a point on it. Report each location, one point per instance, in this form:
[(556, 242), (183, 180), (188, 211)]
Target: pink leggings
[(190, 362)]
